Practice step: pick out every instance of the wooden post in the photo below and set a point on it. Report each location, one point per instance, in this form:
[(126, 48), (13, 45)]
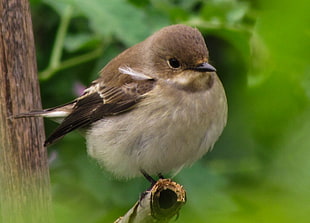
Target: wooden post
[(24, 177)]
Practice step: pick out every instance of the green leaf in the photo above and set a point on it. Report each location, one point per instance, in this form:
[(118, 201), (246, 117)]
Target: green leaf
[(81, 41), (139, 3), (58, 6), (227, 12), (115, 18)]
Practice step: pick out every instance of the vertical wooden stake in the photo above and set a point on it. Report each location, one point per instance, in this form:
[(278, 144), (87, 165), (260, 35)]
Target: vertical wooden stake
[(24, 177)]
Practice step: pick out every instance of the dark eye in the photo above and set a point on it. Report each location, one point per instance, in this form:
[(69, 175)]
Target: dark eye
[(174, 63)]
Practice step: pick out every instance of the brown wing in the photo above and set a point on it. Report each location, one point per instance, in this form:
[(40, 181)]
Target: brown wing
[(99, 102)]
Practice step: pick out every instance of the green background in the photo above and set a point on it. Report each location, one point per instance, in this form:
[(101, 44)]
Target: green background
[(259, 171)]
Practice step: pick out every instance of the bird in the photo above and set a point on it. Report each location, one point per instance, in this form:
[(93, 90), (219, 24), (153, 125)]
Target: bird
[(156, 107)]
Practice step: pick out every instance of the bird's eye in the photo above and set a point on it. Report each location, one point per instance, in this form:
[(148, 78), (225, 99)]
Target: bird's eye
[(174, 63)]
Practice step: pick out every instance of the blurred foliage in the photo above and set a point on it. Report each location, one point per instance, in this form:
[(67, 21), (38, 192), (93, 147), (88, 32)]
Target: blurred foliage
[(259, 169)]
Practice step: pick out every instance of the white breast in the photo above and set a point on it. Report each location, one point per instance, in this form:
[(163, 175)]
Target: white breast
[(168, 129)]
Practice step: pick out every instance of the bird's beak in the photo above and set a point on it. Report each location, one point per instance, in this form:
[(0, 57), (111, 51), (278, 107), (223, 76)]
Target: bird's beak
[(204, 67)]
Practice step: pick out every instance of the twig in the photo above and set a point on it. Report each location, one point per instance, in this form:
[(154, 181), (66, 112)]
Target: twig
[(48, 73), (160, 204)]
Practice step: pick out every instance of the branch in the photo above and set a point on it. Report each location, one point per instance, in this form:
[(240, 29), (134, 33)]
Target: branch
[(159, 204), (48, 73), (55, 63), (60, 37)]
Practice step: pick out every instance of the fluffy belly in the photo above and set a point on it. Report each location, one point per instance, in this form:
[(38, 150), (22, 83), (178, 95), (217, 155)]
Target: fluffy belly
[(158, 136)]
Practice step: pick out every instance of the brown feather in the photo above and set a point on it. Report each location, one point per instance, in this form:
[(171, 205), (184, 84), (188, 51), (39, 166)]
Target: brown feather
[(99, 102)]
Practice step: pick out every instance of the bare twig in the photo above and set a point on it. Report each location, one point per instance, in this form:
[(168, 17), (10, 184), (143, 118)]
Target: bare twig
[(160, 204)]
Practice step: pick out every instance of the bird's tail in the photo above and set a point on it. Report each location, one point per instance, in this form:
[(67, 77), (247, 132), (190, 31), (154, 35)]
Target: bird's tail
[(58, 112)]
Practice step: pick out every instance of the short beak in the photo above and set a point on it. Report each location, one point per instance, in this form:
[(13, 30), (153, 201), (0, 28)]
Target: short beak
[(204, 67)]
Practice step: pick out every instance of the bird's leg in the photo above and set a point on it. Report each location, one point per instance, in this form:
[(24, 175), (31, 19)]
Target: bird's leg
[(149, 178), (160, 176)]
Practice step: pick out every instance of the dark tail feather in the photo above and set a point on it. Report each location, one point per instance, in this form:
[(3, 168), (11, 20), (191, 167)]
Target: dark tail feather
[(34, 113), (55, 112)]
